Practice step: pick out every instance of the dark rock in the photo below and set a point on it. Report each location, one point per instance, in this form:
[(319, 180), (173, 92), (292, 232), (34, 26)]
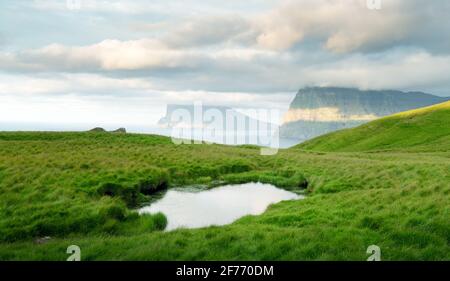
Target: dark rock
[(97, 129), (120, 130)]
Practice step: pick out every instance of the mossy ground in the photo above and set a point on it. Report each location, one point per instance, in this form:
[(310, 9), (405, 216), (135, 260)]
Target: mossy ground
[(81, 188)]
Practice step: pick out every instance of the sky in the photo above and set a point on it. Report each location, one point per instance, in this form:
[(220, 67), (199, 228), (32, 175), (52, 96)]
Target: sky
[(81, 63)]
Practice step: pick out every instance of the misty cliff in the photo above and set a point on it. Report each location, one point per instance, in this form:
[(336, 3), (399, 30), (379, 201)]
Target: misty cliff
[(319, 110)]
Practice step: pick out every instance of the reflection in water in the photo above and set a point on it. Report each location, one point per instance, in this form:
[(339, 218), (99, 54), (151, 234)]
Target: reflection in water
[(218, 206)]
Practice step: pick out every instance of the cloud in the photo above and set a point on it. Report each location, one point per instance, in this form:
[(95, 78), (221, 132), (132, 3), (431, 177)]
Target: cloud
[(344, 26), (61, 84), (209, 30), (94, 100), (340, 26), (234, 69), (115, 55), (295, 44), (94, 85), (107, 55), (399, 69)]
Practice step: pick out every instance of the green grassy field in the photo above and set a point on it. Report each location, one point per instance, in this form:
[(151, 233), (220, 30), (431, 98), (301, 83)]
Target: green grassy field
[(82, 188), (420, 130)]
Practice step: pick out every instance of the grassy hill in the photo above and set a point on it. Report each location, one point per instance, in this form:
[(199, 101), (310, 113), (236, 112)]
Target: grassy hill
[(425, 129), (83, 189)]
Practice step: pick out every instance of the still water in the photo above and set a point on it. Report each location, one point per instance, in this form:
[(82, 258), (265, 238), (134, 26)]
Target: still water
[(218, 206)]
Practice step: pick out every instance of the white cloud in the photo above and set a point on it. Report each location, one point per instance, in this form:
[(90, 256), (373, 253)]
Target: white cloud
[(208, 30), (107, 55), (115, 55), (340, 26), (343, 25), (233, 68), (415, 70), (68, 83), (95, 100), (73, 109)]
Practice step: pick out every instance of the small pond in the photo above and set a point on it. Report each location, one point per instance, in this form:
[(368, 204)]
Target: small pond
[(218, 206)]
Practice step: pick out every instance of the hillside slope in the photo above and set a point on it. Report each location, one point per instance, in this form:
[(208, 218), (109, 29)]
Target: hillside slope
[(424, 129)]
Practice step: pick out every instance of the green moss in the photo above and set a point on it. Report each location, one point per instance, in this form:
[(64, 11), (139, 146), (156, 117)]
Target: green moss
[(82, 188)]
